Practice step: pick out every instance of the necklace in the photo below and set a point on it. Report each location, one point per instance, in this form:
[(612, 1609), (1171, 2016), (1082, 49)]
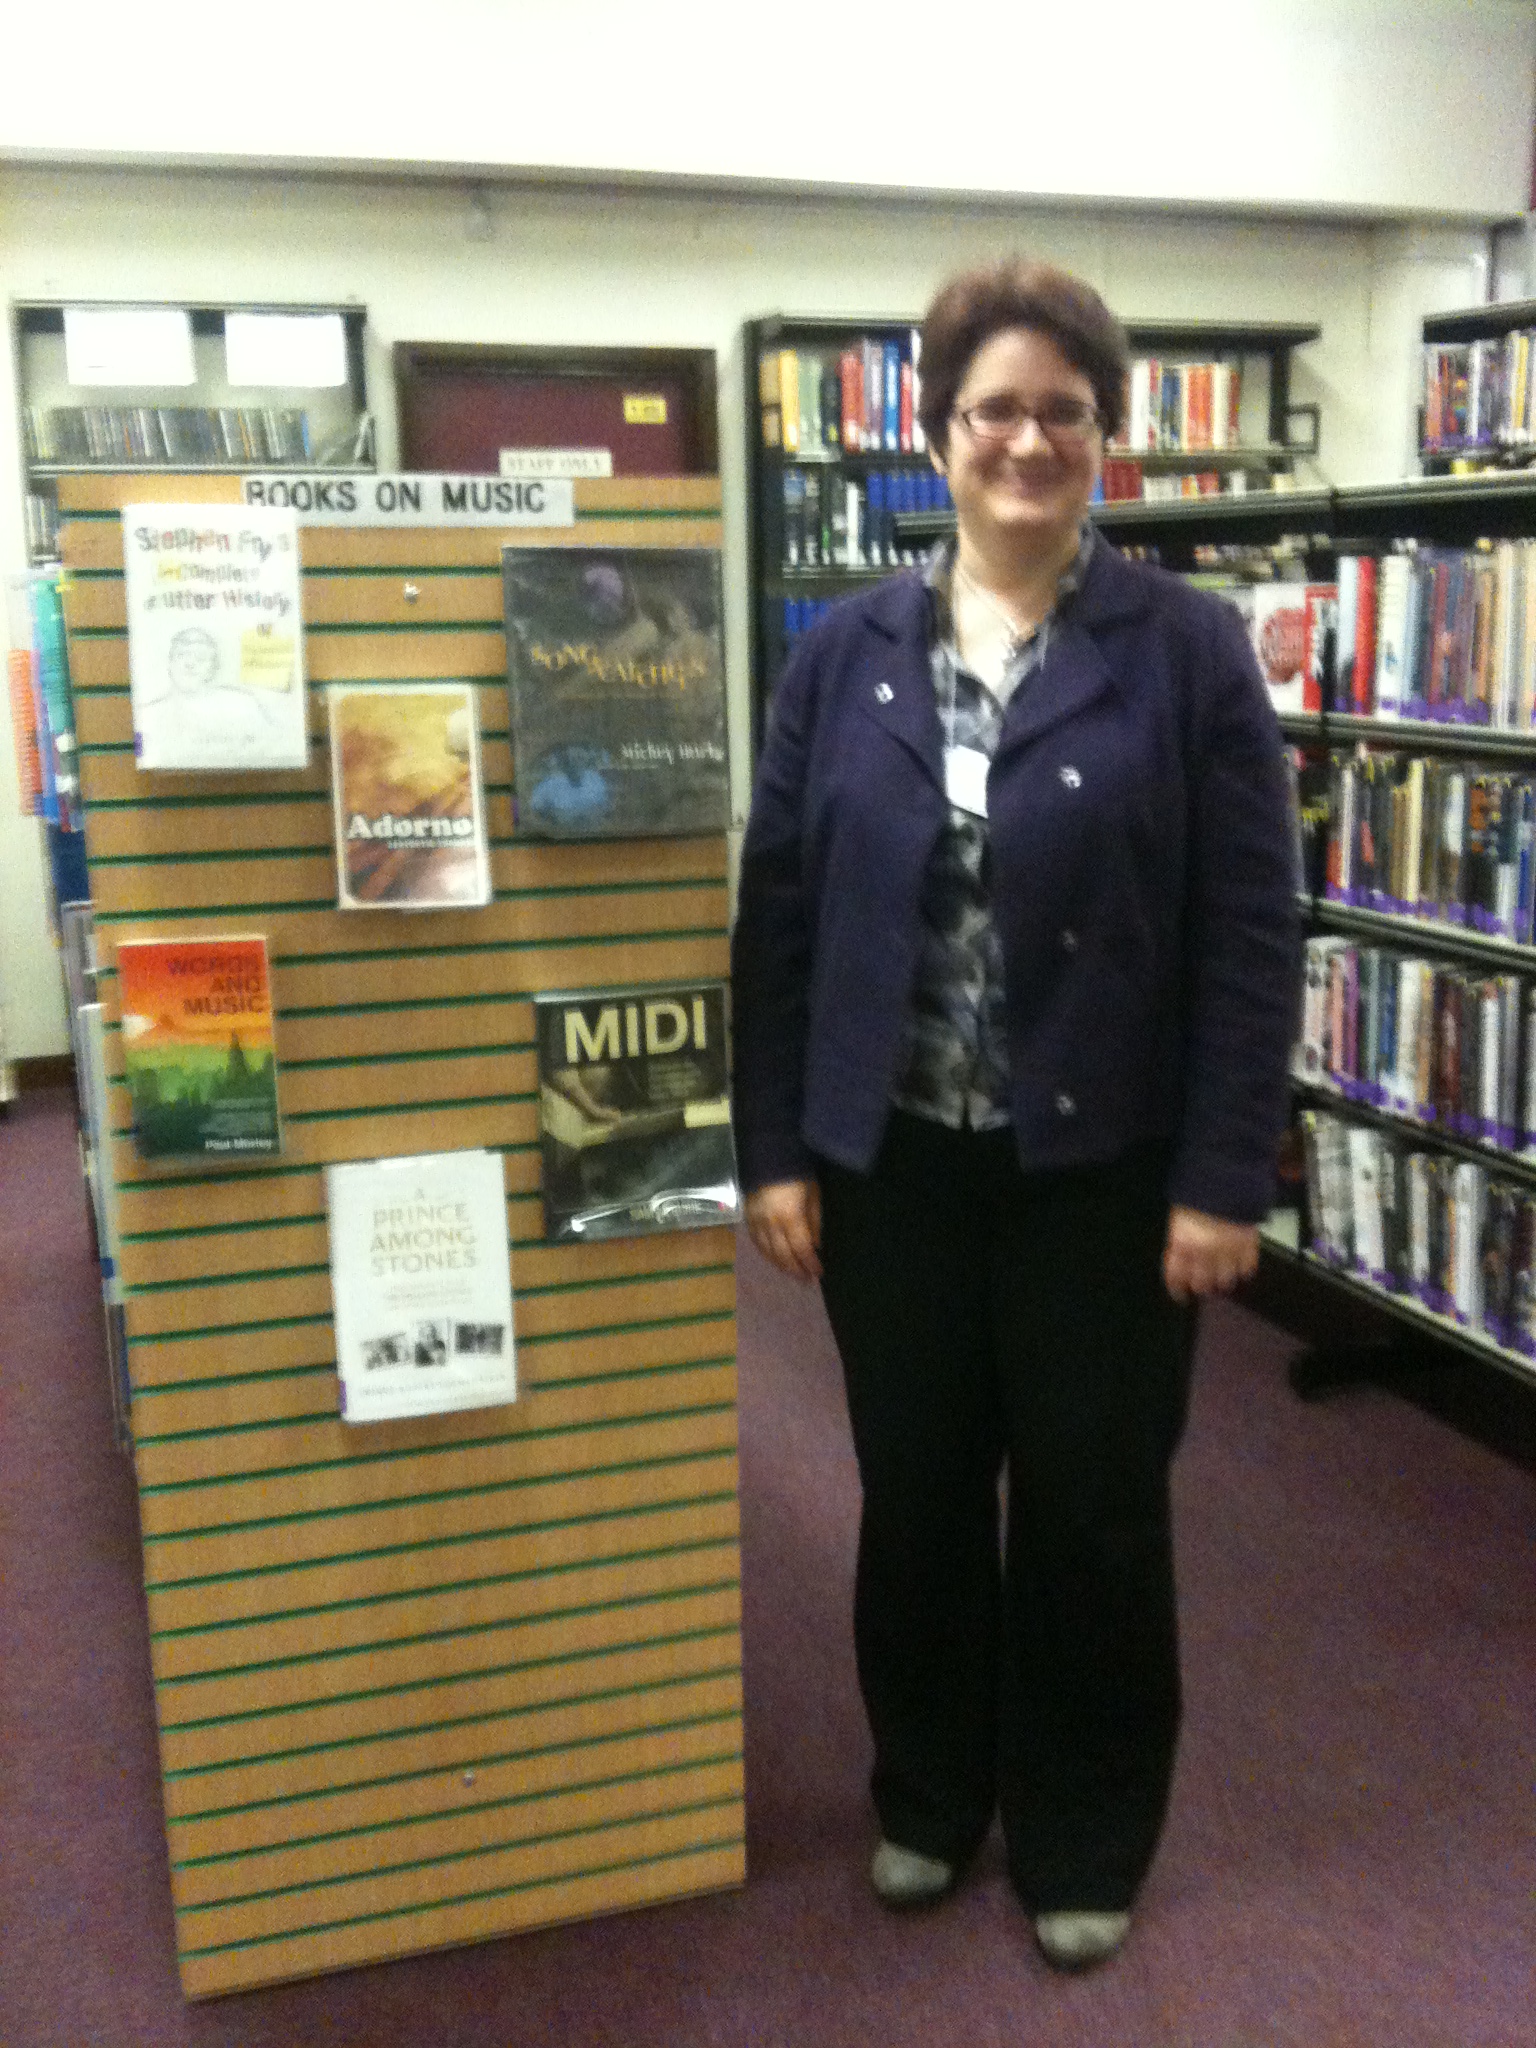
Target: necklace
[(1016, 635)]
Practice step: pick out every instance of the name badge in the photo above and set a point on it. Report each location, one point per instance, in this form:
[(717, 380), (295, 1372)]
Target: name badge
[(965, 779)]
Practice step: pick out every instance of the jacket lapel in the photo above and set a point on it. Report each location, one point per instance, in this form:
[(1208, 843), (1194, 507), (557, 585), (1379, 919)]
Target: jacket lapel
[(895, 683), (1074, 673)]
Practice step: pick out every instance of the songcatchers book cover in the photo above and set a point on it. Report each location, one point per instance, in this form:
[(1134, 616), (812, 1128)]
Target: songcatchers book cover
[(198, 1049), (405, 780), (616, 673)]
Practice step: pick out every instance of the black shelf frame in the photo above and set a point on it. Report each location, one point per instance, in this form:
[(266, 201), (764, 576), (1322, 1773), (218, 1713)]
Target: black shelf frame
[(1404, 1308)]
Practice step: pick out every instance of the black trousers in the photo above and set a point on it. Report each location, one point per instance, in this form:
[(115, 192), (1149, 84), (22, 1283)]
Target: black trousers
[(994, 1321)]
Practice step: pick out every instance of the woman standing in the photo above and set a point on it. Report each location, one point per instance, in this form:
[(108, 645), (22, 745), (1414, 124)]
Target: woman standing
[(1013, 983)]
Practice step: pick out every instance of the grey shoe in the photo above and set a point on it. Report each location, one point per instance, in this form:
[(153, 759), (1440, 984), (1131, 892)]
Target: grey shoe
[(906, 1877), (1076, 1941)]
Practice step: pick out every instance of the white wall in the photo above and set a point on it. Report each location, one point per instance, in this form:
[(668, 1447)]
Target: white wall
[(1394, 105), (570, 265)]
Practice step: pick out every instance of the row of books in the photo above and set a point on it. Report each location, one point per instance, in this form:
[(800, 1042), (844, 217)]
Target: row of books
[(861, 399), (42, 524), (1420, 632), (836, 521), (1125, 479), (1446, 1232), (166, 433), (800, 614), (1178, 406), (1439, 1045), (1410, 835), (1479, 394), (42, 705)]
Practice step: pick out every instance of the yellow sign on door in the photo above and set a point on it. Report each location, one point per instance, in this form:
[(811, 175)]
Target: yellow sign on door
[(644, 410)]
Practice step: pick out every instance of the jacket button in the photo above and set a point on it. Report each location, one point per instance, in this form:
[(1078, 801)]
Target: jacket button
[(1065, 1106), (1072, 777), (1069, 941)]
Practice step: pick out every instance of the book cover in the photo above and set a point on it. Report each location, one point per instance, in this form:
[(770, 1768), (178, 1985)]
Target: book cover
[(616, 672), (634, 1111), (1280, 641), (215, 645), (197, 1046), (405, 785), (422, 1283)]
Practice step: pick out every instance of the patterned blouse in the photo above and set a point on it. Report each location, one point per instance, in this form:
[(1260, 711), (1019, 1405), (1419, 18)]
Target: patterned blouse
[(954, 1062)]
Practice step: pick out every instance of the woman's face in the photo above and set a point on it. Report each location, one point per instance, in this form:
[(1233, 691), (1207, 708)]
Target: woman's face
[(1028, 491)]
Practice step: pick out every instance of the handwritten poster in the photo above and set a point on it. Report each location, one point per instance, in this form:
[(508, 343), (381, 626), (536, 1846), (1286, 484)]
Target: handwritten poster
[(215, 639)]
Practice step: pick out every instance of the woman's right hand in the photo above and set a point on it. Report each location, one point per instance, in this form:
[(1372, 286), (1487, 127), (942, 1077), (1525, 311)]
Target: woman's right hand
[(784, 1222)]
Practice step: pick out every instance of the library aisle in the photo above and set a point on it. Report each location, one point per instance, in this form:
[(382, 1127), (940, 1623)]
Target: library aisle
[(1350, 1856)]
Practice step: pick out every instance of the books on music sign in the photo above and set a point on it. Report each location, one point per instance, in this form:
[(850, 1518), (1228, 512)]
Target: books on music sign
[(197, 1046), (405, 783), (634, 1112), (422, 1282), (215, 643), (616, 672)]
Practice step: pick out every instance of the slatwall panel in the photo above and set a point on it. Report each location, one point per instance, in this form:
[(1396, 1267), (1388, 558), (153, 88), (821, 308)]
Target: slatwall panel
[(419, 1682)]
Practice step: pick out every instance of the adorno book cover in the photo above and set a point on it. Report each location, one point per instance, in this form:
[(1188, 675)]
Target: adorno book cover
[(405, 782), (422, 1283), (197, 1046), (634, 1112), (616, 670), (215, 643)]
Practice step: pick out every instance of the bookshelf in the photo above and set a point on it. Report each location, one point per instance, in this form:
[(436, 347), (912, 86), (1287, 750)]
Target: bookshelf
[(1472, 1136), (206, 426), (1479, 394), (901, 507)]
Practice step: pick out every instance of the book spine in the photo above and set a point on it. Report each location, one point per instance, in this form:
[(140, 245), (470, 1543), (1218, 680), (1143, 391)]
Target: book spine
[(789, 400)]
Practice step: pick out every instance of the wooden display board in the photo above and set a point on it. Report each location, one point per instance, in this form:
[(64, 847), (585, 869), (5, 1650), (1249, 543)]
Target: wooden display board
[(424, 1682)]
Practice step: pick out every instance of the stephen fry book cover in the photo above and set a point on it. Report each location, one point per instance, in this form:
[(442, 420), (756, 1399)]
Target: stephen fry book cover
[(616, 672), (197, 1046), (405, 780), (634, 1112)]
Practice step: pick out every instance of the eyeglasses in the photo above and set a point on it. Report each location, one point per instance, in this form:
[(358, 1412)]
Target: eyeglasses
[(1001, 418)]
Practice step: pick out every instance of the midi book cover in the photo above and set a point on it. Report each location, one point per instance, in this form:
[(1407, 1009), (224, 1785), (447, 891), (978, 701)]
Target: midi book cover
[(405, 782), (634, 1112), (422, 1284), (616, 673), (198, 1053)]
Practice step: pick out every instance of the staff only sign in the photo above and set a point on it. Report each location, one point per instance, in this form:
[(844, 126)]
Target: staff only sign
[(416, 498)]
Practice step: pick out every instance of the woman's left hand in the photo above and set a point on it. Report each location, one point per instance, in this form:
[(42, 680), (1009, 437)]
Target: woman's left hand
[(1206, 1254)]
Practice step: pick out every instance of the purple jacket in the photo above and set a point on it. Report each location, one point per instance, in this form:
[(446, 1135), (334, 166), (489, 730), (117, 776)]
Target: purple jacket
[(1143, 885)]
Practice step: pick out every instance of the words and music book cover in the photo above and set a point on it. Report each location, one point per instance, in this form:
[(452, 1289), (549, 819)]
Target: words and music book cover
[(422, 1283), (616, 670), (215, 640), (634, 1112), (197, 1046), (405, 780)]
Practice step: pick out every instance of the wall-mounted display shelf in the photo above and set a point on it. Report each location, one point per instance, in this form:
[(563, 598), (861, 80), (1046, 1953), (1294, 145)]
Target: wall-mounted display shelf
[(112, 401)]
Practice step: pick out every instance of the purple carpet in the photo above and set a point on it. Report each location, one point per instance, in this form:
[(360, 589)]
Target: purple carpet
[(1351, 1857)]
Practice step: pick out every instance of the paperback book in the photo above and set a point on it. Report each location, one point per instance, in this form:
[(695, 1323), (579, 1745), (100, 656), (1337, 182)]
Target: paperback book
[(197, 1046), (616, 672), (215, 646), (405, 783), (422, 1283), (634, 1112)]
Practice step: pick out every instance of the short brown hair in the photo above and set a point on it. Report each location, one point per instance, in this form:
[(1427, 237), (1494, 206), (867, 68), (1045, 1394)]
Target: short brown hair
[(971, 308)]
